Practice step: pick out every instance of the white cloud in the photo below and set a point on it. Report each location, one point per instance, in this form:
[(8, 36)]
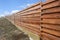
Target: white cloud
[(25, 5), (14, 11), (28, 4), (4, 13), (1, 15), (8, 13)]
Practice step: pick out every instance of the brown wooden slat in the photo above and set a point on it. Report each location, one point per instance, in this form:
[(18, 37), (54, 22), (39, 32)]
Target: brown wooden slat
[(50, 26), (30, 29), (33, 8), (31, 25), (50, 37), (34, 5), (56, 9), (31, 15), (48, 1), (31, 12), (53, 32), (44, 38), (51, 21), (30, 19), (53, 4), (51, 16), (33, 31), (32, 22)]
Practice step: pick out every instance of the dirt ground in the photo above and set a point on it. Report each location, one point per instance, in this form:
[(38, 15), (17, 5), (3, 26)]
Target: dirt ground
[(8, 31)]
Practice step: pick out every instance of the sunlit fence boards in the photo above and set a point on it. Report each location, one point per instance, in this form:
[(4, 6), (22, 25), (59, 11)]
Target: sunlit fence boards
[(30, 18), (50, 20)]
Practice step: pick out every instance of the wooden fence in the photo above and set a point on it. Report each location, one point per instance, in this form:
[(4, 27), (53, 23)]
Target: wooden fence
[(50, 20), (42, 19)]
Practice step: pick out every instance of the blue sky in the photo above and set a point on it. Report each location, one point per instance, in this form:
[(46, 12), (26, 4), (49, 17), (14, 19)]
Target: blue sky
[(11, 6)]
